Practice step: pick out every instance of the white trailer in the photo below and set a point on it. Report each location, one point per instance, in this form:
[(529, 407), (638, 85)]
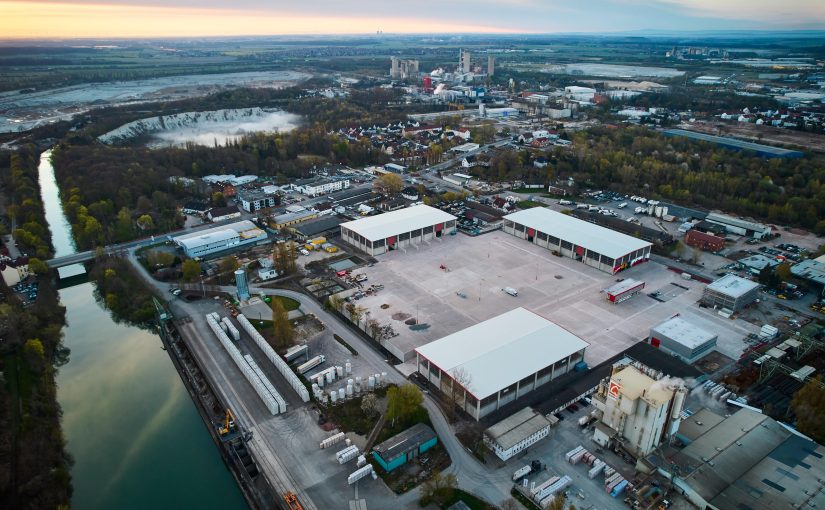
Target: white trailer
[(309, 365), (359, 474), (521, 473)]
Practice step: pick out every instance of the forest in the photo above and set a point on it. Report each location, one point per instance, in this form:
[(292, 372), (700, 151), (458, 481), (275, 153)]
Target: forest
[(636, 160), (34, 466), (24, 210)]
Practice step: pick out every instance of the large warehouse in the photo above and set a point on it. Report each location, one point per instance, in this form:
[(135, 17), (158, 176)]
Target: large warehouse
[(682, 339), (499, 360), (397, 229), (599, 247), (218, 239)]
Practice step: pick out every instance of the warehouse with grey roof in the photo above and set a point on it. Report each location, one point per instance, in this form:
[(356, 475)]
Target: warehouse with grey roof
[(596, 246)]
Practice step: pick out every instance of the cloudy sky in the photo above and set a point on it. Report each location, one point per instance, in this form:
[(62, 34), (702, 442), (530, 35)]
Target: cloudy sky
[(135, 18)]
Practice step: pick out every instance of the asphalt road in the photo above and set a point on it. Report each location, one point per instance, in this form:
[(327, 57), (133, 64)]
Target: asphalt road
[(482, 480)]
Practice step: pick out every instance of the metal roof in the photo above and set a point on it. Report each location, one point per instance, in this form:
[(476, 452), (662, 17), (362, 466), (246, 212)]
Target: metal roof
[(511, 431), (503, 350), (724, 219), (732, 285), (213, 235), (683, 332), (581, 233), (404, 441), (810, 269), (397, 222)]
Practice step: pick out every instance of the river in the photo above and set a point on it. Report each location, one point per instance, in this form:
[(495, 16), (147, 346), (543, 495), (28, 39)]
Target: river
[(136, 437)]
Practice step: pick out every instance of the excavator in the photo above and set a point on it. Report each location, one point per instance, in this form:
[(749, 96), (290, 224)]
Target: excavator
[(292, 500), (228, 426)]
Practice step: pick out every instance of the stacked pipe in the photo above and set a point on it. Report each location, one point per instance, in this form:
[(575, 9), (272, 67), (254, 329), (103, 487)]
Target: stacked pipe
[(253, 378), (331, 440), (548, 494), (276, 360), (265, 381), (347, 454)]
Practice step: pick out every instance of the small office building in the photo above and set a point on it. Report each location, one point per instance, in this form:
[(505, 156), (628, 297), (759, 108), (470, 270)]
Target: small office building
[(682, 339), (397, 229), (731, 292), (404, 447), (513, 435)]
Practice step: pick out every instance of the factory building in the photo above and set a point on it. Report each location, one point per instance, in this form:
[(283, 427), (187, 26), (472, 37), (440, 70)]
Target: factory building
[(596, 246), (403, 69), (398, 229), (404, 447), (491, 65), (739, 226), (730, 292), (513, 435), (704, 241), (813, 271), (744, 461), (219, 239), (637, 411), (488, 365), (682, 339)]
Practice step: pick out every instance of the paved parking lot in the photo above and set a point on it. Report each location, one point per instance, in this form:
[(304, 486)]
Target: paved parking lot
[(469, 291)]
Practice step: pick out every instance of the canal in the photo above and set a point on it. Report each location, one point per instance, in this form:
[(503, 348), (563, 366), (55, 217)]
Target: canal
[(137, 439)]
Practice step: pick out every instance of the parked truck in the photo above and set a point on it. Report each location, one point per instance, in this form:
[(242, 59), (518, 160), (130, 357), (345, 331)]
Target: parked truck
[(309, 365), (521, 473), (295, 352), (510, 290)]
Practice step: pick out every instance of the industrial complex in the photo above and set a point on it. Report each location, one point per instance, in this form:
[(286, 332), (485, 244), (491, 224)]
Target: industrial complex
[(220, 239)]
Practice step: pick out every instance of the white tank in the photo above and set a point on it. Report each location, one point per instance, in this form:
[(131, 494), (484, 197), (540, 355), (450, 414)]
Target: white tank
[(339, 371), (349, 390), (383, 377), (329, 376), (342, 393), (377, 379), (320, 382), (350, 382), (348, 367), (333, 396), (348, 441), (315, 388), (371, 383)]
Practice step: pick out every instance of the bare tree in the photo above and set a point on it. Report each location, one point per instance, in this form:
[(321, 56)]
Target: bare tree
[(461, 380), (369, 404)]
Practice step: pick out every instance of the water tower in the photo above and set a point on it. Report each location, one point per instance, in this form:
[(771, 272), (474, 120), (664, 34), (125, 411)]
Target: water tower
[(242, 285)]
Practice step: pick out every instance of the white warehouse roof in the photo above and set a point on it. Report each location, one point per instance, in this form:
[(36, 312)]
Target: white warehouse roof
[(683, 332), (503, 350), (214, 235), (733, 286), (397, 222), (579, 232)]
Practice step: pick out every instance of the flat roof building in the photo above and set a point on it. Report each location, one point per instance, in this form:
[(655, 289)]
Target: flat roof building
[(397, 229), (731, 292), (596, 246), (513, 435), (682, 339), (256, 199), (218, 239), (404, 447), (496, 361)]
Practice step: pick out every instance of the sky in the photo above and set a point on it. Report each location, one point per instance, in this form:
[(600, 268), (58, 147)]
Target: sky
[(188, 18)]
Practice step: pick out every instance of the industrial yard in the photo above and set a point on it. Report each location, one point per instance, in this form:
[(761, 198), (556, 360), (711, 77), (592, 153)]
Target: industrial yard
[(468, 290)]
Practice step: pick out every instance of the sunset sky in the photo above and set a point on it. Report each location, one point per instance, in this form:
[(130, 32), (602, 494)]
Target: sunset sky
[(152, 18)]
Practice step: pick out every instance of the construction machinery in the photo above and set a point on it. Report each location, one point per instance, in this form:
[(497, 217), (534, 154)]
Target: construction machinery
[(228, 427), (292, 500)]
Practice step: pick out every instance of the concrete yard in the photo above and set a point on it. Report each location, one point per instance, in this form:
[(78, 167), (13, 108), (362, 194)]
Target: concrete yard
[(561, 289)]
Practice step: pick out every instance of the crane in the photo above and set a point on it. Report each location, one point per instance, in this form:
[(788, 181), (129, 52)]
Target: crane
[(292, 500)]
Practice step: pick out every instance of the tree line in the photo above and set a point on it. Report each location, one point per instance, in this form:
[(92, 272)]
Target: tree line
[(24, 210)]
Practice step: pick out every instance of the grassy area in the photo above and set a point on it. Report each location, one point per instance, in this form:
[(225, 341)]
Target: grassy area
[(527, 204), (349, 417), (289, 303), (475, 503)]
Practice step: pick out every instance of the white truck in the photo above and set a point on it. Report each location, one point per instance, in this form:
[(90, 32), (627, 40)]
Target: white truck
[(521, 473), (309, 365), (510, 290), (565, 202)]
